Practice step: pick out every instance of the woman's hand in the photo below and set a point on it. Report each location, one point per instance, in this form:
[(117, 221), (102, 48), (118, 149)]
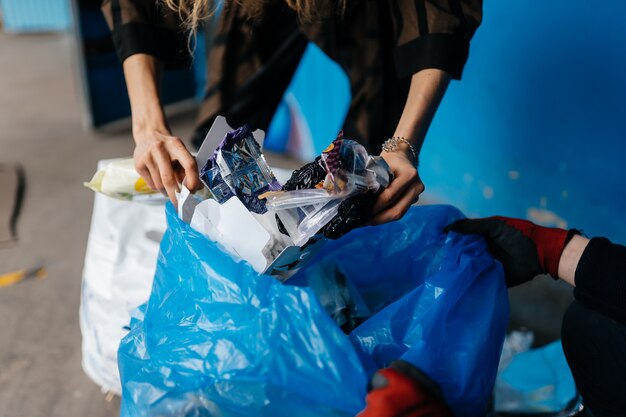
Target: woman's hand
[(163, 161), (425, 94), (402, 192)]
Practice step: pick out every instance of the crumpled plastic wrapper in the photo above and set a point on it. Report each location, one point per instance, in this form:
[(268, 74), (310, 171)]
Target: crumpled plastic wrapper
[(334, 194), (239, 168), (327, 197)]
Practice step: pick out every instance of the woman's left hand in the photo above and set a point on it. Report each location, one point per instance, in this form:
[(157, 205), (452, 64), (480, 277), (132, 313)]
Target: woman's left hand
[(402, 192)]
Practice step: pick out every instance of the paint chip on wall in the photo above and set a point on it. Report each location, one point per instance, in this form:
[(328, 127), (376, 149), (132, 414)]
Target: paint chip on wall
[(488, 192), (545, 217)]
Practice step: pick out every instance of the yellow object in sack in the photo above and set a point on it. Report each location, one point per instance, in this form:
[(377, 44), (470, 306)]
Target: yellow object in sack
[(142, 187), (120, 180)]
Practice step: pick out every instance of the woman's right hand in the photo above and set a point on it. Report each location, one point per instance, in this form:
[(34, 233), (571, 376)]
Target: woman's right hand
[(161, 159), (163, 162)]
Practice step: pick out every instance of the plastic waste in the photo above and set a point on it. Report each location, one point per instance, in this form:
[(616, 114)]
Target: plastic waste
[(535, 381), (327, 197), (236, 173), (217, 338), (119, 179), (518, 341), (239, 168), (313, 195), (354, 212)]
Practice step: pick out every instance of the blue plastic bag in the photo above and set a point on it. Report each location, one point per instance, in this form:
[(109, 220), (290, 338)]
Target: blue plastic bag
[(537, 381), (218, 339)]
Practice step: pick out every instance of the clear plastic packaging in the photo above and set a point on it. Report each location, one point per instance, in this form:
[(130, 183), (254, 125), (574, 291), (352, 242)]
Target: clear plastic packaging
[(302, 223), (297, 198), (312, 197)]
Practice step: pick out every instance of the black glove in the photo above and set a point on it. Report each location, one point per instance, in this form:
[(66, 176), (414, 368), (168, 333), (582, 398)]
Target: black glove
[(524, 248)]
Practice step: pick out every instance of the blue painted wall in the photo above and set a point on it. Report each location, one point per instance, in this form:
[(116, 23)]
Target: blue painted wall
[(536, 129), (322, 91)]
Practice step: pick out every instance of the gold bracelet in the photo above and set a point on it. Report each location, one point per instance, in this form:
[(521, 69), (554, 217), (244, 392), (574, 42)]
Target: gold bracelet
[(391, 145)]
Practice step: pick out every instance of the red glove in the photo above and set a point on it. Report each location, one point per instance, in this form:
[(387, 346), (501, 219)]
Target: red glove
[(402, 390), (524, 248)]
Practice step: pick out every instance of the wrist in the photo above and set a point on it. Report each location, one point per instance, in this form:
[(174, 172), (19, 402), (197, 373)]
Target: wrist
[(148, 123), (568, 262), (397, 144)]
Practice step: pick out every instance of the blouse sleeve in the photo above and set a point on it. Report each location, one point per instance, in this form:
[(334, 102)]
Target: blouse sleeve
[(601, 278), (147, 27), (433, 34)]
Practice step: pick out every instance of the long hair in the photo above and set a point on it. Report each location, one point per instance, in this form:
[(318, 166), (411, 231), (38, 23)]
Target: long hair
[(194, 12)]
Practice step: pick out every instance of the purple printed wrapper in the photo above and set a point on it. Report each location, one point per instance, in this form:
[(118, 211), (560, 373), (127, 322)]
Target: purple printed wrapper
[(237, 167)]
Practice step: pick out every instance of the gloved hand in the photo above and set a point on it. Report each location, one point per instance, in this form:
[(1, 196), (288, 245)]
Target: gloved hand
[(524, 248), (402, 390)]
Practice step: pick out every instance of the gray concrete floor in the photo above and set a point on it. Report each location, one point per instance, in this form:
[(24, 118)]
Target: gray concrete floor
[(40, 127), (40, 373)]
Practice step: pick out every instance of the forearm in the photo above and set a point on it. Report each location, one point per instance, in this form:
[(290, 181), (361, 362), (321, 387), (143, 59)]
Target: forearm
[(425, 93), (160, 158), (143, 73), (571, 257)]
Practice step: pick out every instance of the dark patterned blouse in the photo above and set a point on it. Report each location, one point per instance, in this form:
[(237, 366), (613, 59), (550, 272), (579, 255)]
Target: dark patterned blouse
[(379, 44)]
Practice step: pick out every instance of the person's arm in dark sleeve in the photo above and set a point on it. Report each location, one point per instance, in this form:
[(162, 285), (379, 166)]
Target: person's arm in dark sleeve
[(596, 267), (148, 36), (431, 41), (434, 34), (147, 27), (601, 278)]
